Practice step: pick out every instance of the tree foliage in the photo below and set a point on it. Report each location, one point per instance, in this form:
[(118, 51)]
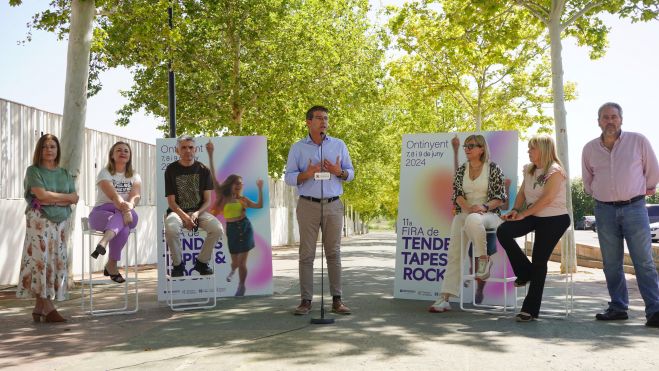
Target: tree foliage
[(583, 203), (582, 20), (482, 70), (579, 19), (251, 68)]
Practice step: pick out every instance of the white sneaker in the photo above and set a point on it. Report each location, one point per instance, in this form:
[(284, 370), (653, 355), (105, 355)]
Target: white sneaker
[(439, 306), (484, 268)]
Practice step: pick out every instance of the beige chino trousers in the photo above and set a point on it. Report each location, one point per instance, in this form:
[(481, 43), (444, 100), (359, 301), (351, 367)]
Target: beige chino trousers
[(308, 219), (207, 222)]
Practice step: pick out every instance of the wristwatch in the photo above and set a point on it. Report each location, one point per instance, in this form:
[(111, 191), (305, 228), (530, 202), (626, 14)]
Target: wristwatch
[(342, 173)]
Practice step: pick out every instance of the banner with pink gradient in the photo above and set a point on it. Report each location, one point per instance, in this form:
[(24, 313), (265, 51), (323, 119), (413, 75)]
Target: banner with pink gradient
[(425, 212), (246, 157)]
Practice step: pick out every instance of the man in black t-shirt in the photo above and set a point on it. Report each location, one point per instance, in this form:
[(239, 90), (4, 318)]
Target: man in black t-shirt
[(188, 187)]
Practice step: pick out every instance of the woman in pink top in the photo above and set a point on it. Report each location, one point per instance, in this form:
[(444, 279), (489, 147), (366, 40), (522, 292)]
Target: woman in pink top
[(543, 193)]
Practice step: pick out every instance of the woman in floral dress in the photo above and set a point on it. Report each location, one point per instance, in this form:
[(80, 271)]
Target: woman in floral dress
[(49, 192)]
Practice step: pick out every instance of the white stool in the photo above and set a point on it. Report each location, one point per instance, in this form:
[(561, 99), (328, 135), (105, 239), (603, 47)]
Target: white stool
[(87, 249), (182, 284), (472, 277), (569, 285)]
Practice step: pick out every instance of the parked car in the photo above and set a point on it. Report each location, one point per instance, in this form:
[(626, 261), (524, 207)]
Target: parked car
[(586, 222), (653, 213), (654, 231)]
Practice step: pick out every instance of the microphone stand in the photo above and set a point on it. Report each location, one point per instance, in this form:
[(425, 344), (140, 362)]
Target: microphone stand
[(322, 320)]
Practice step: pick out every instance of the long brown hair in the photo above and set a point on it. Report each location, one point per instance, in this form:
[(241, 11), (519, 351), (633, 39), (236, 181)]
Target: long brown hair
[(129, 165), (225, 187), (38, 150)]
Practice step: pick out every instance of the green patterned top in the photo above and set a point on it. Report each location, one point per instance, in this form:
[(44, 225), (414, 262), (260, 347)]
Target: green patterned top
[(56, 180)]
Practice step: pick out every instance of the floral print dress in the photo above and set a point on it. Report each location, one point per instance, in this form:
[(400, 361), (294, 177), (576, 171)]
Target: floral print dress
[(44, 262), (43, 265)]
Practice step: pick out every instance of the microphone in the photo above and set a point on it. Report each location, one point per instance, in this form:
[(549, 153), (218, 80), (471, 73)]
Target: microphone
[(323, 174)]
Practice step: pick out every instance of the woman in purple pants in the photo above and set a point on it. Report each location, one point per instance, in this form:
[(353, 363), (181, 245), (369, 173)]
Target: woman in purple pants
[(117, 193)]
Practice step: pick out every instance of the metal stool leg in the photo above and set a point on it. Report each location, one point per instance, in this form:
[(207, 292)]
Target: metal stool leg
[(177, 304), (90, 282), (505, 280)]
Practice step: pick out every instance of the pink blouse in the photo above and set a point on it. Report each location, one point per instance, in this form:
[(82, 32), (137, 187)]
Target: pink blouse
[(534, 185)]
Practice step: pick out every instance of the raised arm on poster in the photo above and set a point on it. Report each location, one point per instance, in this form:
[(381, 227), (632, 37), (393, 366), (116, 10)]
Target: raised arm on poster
[(188, 188), (244, 156), (230, 202), (428, 204)]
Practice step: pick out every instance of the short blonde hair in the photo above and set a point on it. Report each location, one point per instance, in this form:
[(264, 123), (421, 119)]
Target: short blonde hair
[(480, 140), (548, 155)]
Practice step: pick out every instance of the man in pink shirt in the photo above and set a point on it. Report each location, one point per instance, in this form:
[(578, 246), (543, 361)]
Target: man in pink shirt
[(619, 169)]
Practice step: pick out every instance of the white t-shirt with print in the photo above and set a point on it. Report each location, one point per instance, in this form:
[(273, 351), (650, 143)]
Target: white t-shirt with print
[(121, 184)]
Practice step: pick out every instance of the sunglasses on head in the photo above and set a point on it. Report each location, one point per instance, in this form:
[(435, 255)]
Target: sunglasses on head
[(470, 146)]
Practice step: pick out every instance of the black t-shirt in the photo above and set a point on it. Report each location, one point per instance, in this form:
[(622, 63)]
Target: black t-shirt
[(188, 184)]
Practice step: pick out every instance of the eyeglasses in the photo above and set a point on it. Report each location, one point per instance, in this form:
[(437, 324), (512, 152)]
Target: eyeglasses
[(471, 146)]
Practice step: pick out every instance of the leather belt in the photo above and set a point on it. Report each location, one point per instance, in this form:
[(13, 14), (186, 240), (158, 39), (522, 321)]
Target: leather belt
[(622, 203), (320, 200)]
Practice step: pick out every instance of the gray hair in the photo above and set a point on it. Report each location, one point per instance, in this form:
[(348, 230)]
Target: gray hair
[(185, 138), (607, 105)]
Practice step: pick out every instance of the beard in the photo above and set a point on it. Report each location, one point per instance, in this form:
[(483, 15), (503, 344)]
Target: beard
[(611, 129)]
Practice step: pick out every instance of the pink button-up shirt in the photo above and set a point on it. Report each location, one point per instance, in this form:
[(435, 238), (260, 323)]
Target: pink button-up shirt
[(630, 169)]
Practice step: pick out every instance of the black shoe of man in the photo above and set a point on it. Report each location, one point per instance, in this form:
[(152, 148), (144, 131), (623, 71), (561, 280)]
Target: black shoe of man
[(178, 270), (204, 269), (612, 315), (653, 320)]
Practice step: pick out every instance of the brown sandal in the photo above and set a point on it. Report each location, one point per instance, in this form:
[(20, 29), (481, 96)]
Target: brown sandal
[(118, 278), (36, 317), (53, 316)]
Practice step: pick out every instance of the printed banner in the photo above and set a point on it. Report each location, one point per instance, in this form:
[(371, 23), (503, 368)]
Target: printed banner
[(243, 156), (425, 212)]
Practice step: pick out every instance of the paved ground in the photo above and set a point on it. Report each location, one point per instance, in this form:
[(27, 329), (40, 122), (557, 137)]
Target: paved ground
[(383, 333)]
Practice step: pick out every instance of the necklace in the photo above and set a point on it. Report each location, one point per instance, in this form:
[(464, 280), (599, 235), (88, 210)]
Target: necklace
[(474, 172)]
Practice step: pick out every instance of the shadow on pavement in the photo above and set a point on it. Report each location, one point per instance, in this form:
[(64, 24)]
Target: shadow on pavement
[(263, 329)]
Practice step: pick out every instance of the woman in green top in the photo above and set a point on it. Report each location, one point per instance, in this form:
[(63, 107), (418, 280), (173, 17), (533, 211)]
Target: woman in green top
[(49, 192)]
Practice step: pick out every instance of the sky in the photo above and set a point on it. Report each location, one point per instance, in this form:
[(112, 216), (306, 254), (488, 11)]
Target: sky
[(33, 74)]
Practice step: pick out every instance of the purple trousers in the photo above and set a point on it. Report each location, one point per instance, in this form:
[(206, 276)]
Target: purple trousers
[(106, 217)]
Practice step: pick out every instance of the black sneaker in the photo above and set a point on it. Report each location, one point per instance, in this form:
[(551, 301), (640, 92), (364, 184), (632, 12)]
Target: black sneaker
[(178, 270), (203, 268), (611, 315)]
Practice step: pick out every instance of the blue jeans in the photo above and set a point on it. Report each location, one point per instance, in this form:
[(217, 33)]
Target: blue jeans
[(631, 223)]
